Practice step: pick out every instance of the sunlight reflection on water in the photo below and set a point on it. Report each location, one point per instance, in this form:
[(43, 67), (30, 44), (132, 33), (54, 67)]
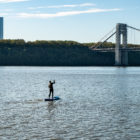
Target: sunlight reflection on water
[(99, 103)]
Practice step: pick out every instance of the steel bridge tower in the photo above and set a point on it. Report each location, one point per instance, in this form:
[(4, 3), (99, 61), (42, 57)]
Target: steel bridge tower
[(121, 48), (121, 53)]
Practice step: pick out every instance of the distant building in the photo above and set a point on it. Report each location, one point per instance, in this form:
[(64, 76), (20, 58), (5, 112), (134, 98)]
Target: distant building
[(1, 27)]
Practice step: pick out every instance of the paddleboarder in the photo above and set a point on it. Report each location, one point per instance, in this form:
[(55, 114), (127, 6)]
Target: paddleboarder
[(50, 86)]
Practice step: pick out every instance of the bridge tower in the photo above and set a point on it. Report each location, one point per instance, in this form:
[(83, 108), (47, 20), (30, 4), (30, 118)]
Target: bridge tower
[(121, 54)]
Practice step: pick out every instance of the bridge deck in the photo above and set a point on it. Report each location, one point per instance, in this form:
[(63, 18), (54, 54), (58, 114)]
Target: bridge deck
[(113, 49)]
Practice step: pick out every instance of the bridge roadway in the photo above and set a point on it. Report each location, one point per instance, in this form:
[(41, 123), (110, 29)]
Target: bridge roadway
[(113, 49)]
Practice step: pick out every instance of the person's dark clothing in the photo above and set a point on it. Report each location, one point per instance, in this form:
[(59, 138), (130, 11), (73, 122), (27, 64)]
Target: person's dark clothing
[(51, 91)]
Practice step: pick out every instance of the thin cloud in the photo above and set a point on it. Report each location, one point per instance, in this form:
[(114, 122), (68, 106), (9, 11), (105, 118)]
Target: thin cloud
[(10, 1), (39, 7), (72, 6), (3, 14), (63, 6), (7, 10), (62, 14)]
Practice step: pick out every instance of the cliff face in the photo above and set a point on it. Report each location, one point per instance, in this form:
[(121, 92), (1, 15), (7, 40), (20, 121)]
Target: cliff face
[(56, 53)]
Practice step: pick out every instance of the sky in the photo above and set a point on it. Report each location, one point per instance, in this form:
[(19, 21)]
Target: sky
[(77, 20)]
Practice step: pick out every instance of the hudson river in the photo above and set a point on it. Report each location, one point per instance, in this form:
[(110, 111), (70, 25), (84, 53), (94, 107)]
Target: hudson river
[(97, 103)]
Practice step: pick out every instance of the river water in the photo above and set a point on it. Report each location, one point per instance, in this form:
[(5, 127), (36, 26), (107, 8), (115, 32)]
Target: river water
[(97, 103)]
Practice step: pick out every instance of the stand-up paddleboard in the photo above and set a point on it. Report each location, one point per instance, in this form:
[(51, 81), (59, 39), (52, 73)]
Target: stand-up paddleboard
[(54, 99)]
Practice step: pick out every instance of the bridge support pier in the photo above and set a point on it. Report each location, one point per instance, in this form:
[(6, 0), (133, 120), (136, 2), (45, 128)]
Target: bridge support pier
[(121, 54)]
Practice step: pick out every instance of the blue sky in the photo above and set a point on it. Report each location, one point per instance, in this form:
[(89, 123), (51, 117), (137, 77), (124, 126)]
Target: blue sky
[(77, 20)]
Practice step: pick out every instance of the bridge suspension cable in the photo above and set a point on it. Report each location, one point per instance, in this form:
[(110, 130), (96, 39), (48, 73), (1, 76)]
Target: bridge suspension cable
[(104, 39), (133, 28)]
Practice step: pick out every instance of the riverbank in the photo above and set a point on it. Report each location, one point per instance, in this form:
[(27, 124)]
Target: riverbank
[(57, 53)]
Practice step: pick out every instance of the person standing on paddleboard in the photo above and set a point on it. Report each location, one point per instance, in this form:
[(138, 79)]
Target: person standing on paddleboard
[(51, 88)]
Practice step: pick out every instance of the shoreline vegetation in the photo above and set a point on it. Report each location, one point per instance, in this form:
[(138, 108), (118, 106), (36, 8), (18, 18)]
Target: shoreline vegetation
[(59, 53)]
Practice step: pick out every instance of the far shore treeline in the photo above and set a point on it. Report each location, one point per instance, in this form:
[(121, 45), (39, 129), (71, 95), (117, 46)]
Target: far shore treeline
[(58, 53)]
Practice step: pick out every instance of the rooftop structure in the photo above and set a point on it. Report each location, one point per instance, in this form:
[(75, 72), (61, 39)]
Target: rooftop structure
[(1, 27)]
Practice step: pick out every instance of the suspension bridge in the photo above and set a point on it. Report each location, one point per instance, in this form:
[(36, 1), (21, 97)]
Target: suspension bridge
[(121, 49)]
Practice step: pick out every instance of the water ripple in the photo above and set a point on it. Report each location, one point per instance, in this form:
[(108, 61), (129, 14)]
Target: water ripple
[(96, 104)]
